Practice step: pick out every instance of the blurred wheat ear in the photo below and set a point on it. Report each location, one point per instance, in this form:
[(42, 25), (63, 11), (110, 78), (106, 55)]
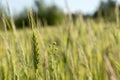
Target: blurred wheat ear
[(117, 13)]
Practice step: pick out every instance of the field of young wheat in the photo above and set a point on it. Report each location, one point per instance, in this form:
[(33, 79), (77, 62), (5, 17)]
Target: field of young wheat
[(87, 51)]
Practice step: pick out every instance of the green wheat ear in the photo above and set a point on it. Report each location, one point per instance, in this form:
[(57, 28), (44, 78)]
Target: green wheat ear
[(36, 51)]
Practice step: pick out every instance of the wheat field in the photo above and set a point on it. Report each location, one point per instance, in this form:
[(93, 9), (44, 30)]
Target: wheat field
[(88, 51)]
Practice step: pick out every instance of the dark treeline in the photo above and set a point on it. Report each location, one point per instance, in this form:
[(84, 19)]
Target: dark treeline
[(108, 11), (53, 15), (46, 15)]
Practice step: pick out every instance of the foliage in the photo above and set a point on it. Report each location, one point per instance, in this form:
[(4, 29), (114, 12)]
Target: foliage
[(106, 11), (41, 11), (51, 14), (0, 11), (21, 19), (54, 15)]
